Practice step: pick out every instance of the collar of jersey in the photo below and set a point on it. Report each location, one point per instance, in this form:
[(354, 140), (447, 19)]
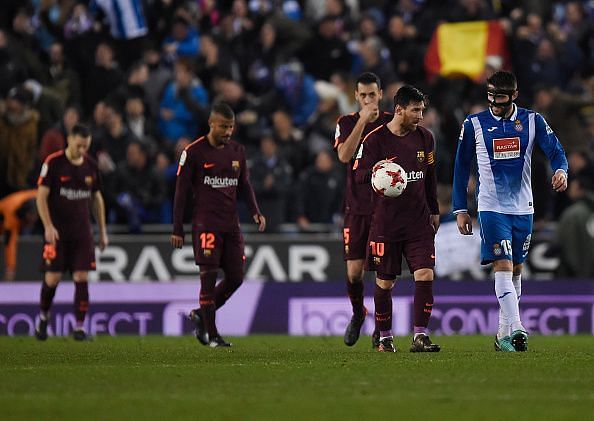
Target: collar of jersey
[(511, 118)]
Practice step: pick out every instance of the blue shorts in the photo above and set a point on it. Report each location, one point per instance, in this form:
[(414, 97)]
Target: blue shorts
[(504, 236)]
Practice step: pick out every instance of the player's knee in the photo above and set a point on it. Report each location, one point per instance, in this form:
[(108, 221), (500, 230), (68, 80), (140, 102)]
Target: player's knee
[(385, 281), (355, 278), (502, 265), (424, 274)]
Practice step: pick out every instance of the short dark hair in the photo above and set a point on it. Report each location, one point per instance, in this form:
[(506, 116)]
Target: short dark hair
[(223, 109), (368, 78), (503, 80), (407, 94), (80, 130)]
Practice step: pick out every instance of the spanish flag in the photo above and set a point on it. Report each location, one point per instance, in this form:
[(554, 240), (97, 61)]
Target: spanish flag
[(464, 49)]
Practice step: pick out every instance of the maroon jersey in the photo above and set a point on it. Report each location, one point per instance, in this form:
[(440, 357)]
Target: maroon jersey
[(358, 198), (406, 216), (71, 192), (214, 175)]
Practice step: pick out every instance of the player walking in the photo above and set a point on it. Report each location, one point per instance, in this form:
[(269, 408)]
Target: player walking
[(213, 169), (405, 225), (350, 131), (502, 139)]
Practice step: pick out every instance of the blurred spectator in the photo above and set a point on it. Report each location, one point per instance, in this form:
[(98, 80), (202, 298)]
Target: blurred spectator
[(18, 213), (297, 91), (375, 59), (62, 79), (138, 188), (216, 62), (48, 105), (272, 178), (319, 198), (54, 139), (103, 78), (127, 26), (18, 140), (575, 231), (346, 99), (158, 78), (326, 52), (406, 57), (112, 143), (12, 69), (184, 104), (289, 140), (183, 40), (137, 122)]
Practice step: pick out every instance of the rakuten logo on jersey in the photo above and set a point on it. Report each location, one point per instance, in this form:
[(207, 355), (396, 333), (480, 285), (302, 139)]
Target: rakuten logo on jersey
[(220, 182), (414, 176), (72, 194)]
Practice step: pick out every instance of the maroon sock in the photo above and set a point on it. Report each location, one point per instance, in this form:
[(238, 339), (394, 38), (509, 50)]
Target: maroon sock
[(81, 302), (207, 301), (383, 309), (423, 305), (355, 292), (47, 298), (224, 290)]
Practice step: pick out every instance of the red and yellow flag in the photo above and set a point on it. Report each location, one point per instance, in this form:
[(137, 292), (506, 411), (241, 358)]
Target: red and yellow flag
[(464, 48)]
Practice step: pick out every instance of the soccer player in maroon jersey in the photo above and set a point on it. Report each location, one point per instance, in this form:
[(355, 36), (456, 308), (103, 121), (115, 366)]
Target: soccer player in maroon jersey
[(214, 169), (69, 187), (405, 225), (358, 206)]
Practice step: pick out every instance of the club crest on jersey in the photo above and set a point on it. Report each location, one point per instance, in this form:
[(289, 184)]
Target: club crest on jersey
[(235, 165), (420, 156), (518, 126), (497, 249), (88, 180)]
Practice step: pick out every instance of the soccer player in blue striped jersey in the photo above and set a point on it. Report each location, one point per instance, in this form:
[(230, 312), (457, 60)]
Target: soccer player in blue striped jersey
[(502, 139)]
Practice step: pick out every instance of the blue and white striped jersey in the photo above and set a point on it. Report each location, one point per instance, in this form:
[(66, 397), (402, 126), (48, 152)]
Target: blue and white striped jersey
[(126, 17), (503, 150)]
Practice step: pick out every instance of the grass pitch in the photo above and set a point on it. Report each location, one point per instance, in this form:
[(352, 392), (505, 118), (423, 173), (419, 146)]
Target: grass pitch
[(286, 378)]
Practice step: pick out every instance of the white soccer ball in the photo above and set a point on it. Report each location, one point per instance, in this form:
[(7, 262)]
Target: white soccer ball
[(388, 179)]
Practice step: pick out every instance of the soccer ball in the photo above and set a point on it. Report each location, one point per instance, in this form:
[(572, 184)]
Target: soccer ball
[(388, 179)]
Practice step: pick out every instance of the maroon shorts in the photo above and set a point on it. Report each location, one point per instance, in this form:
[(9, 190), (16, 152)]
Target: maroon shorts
[(386, 258), (220, 249), (354, 236), (76, 255)]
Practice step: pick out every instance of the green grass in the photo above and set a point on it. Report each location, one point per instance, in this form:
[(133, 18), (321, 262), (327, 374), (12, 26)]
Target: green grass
[(279, 377)]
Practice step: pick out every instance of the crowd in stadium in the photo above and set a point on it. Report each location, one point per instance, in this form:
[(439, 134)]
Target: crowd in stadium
[(143, 75)]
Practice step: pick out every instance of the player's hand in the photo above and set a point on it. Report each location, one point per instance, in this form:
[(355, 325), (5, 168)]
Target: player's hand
[(177, 241), (434, 221), (261, 221), (559, 181), (103, 241), (464, 223), (368, 112), (51, 235)]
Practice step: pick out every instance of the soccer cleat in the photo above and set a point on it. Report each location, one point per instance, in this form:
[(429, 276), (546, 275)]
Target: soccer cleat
[(80, 335), (353, 330), (386, 345), (519, 340), (41, 330), (422, 343), (504, 344), (218, 342), (199, 329), (375, 339)]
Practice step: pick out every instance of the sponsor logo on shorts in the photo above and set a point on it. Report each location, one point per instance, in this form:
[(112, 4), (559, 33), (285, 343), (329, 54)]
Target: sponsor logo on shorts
[(207, 253), (220, 182), (346, 248), (377, 260)]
